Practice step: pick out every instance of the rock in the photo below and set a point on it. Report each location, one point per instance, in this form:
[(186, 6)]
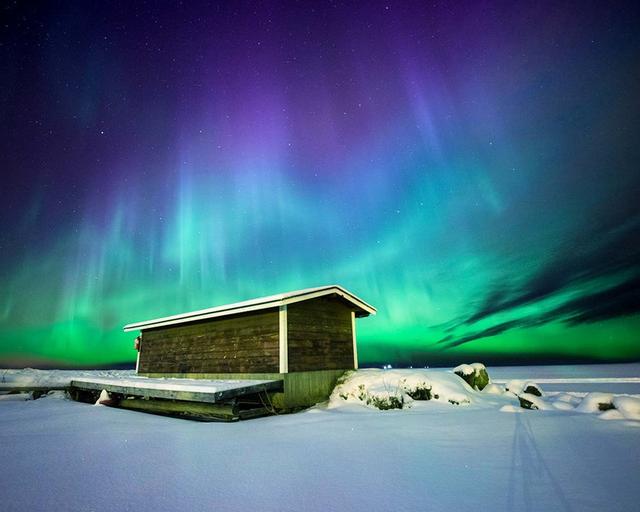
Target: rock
[(517, 387), (527, 404), (533, 402), (482, 378), (606, 406), (473, 374), (384, 403), (463, 401), (596, 402), (533, 389), (420, 392)]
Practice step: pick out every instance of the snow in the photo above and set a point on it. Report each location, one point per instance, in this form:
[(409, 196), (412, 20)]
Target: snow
[(593, 402), (195, 385), (611, 414), (15, 397), (577, 372), (628, 406), (465, 369), (562, 405), (512, 408), (395, 389), (517, 386), (469, 369), (365, 386), (612, 378), (493, 389), (53, 378), (537, 402), (62, 378), (104, 397), (342, 455)]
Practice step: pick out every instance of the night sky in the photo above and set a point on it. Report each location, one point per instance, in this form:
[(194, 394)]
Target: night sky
[(471, 169)]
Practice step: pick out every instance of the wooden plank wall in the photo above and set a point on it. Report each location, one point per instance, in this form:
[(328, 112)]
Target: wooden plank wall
[(247, 343), (320, 336)]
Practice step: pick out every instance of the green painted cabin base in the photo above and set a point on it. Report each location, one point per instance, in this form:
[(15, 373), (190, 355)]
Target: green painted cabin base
[(301, 389)]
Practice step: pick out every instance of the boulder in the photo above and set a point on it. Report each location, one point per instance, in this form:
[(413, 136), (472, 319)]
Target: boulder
[(533, 389), (527, 404), (473, 374), (533, 402), (517, 387)]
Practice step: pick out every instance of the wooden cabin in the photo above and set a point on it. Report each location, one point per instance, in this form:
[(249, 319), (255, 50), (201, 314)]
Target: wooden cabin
[(305, 338)]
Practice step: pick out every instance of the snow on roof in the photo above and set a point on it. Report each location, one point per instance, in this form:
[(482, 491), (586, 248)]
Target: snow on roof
[(281, 299)]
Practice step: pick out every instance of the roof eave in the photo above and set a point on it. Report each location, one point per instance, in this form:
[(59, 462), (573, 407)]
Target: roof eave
[(362, 308)]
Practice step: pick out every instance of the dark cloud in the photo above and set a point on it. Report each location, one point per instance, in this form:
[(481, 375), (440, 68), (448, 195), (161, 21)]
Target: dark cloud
[(486, 333), (494, 302), (611, 248), (608, 250), (620, 300)]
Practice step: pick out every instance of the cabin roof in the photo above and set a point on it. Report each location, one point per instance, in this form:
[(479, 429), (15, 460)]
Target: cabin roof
[(360, 307)]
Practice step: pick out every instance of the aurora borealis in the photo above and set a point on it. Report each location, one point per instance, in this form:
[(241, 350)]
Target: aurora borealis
[(470, 169)]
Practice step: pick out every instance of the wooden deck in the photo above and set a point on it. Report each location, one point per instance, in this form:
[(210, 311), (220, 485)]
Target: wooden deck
[(191, 390), (204, 400)]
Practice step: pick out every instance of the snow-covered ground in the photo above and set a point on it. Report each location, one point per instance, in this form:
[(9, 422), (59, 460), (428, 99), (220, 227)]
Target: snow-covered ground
[(485, 453)]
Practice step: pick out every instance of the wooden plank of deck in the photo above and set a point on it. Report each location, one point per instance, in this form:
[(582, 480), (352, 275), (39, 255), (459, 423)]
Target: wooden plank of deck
[(178, 389)]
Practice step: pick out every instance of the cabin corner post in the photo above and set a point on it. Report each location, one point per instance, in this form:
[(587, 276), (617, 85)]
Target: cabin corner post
[(284, 344), (353, 333)]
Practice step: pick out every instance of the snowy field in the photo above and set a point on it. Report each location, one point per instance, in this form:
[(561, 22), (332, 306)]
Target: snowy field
[(485, 453)]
